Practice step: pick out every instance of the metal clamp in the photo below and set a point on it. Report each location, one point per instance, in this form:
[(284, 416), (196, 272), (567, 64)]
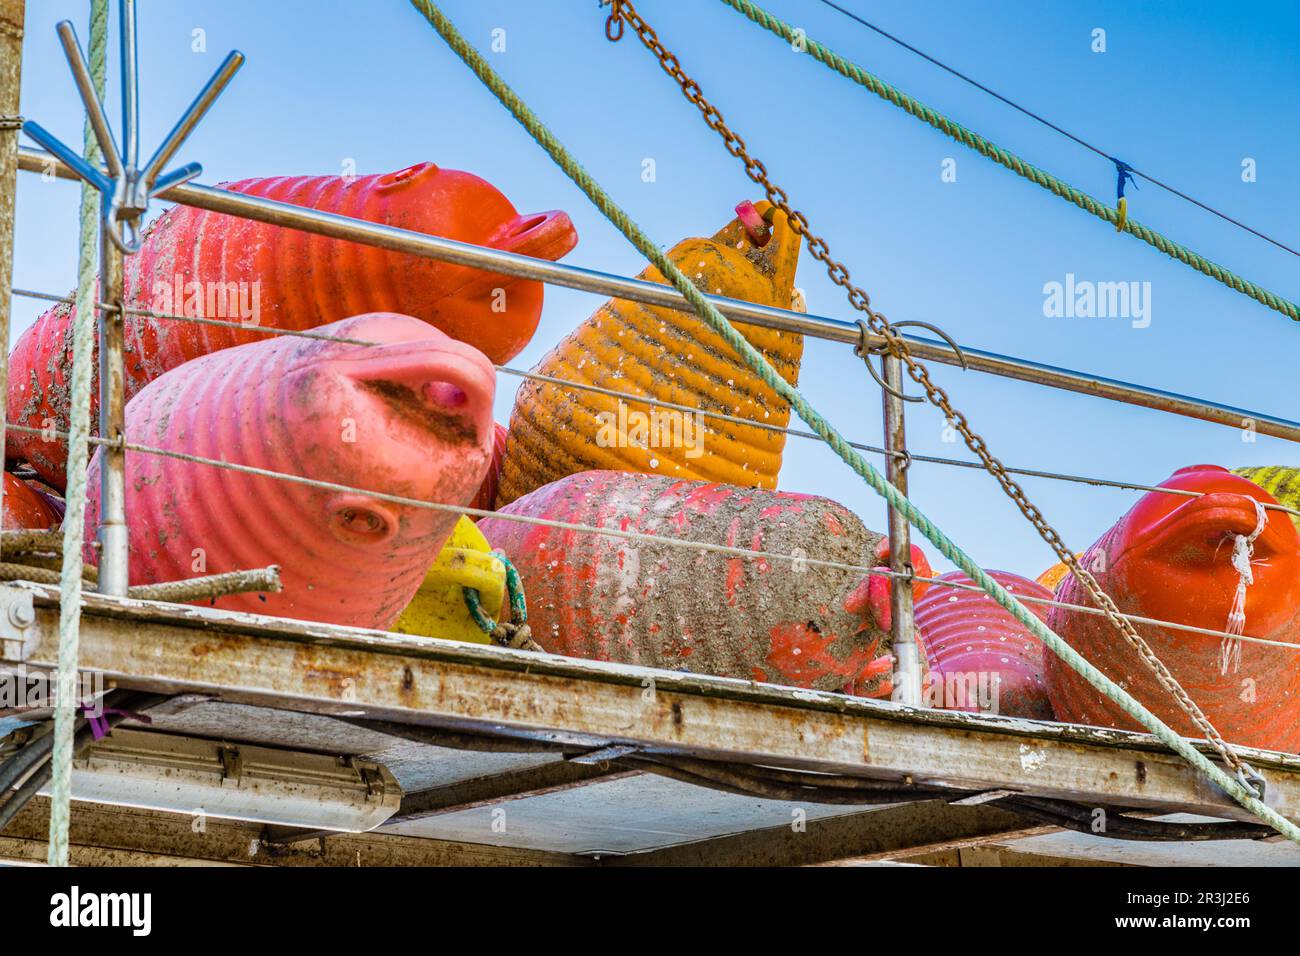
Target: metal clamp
[(125, 188), (18, 631)]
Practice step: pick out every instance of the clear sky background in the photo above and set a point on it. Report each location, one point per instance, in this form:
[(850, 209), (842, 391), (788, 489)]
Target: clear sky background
[(1184, 91)]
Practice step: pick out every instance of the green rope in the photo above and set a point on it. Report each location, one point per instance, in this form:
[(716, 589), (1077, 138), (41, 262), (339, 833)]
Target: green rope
[(755, 360), (1011, 161), (83, 344), (514, 588)]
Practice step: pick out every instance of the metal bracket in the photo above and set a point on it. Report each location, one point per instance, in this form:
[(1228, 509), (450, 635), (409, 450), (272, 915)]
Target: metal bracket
[(18, 631), (125, 188), (370, 775), (232, 763), (373, 780)]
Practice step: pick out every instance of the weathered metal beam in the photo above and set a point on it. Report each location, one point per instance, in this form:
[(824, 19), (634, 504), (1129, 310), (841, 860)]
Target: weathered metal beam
[(874, 834), (105, 835), (982, 855), (351, 672)]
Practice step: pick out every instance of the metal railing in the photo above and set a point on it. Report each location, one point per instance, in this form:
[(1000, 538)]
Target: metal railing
[(176, 188)]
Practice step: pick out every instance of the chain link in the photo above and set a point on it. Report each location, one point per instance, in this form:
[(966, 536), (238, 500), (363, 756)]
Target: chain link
[(624, 11)]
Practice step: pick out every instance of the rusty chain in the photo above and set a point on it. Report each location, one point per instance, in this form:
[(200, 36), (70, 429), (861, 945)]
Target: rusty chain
[(623, 11)]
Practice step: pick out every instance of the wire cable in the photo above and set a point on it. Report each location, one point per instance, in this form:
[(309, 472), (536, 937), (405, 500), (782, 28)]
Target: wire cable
[(1048, 123), (662, 403)]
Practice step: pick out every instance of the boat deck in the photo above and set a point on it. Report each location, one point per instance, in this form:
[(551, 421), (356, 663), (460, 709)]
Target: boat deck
[(473, 754)]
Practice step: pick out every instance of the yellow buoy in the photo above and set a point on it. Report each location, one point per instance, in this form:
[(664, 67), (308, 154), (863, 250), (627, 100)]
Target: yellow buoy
[(674, 357), (1054, 575), (1280, 481), (438, 608)]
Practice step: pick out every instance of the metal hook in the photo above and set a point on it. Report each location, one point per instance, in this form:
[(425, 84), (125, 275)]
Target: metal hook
[(125, 189), (961, 356), (1252, 780), (865, 352)]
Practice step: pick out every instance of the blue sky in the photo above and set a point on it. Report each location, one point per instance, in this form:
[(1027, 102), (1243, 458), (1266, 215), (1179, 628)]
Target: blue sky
[(1184, 91)]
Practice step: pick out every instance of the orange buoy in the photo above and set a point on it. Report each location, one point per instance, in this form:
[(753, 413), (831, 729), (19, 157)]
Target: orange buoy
[(1053, 576), (674, 357)]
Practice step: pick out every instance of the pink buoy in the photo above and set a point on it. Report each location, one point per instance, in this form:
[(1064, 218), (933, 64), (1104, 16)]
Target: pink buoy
[(980, 658), (410, 416)]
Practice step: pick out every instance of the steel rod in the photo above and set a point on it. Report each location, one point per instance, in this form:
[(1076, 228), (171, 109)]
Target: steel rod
[(113, 569), (907, 661), (130, 88), (651, 293), (196, 111), (89, 98)]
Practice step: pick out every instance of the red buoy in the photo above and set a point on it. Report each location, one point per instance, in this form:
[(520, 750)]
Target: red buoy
[(209, 265), (642, 602), (1171, 557)]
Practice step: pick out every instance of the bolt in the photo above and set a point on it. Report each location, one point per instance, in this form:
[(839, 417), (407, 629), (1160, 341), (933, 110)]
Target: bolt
[(22, 615)]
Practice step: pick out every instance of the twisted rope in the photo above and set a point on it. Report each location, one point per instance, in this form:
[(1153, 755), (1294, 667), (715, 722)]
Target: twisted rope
[(761, 367), (850, 70), (83, 341)]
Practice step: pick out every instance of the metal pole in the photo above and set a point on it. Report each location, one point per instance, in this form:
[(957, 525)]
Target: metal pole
[(652, 293), (11, 71), (130, 91), (113, 563), (907, 659)]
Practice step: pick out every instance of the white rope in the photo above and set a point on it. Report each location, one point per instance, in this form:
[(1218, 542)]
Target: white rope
[(1243, 549), (83, 343)]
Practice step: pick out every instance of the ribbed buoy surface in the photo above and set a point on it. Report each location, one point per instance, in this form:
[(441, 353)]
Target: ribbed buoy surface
[(638, 602), (673, 357), (1170, 558), (980, 658), (205, 264), (410, 417), (25, 507)]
